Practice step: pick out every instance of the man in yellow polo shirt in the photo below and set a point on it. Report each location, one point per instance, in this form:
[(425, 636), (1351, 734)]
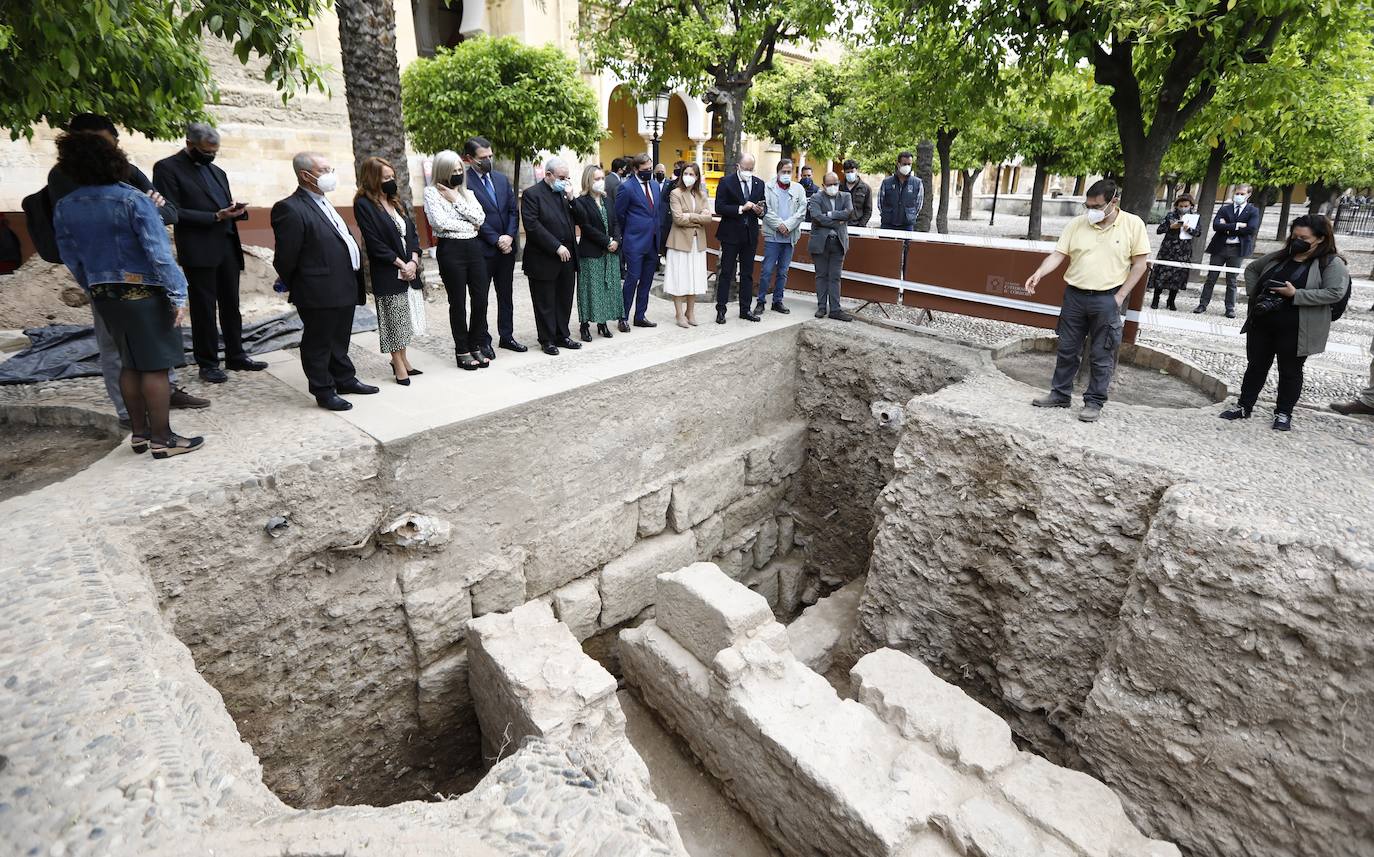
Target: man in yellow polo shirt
[(1106, 248)]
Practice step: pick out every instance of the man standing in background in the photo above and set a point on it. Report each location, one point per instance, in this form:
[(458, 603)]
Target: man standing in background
[(499, 234), (859, 192), (637, 207), (1232, 242)]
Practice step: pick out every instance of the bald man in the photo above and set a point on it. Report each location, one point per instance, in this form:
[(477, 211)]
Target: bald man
[(739, 204)]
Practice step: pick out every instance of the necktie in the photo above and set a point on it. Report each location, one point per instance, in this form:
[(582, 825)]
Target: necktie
[(648, 196), (491, 191)]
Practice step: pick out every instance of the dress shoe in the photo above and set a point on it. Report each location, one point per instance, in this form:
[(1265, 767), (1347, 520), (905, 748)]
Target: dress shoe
[(748, 316), (1352, 409), (570, 343), (550, 350), (623, 326), (512, 345), (356, 387), (840, 315), (584, 331), (185, 401), (821, 313), (759, 308), (778, 306), (213, 374), (720, 316), (1230, 313), (604, 330), (245, 365), (644, 322), (1199, 309), (334, 402), (489, 352), (1050, 401)]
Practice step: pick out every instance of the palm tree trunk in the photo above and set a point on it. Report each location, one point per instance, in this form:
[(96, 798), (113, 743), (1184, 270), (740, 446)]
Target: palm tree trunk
[(372, 85)]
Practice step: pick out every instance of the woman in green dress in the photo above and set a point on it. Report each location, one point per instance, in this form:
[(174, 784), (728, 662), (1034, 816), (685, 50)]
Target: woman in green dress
[(598, 252)]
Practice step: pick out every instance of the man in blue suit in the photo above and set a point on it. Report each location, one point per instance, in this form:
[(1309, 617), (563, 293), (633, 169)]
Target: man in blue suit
[(637, 204), (498, 234), (1233, 239)]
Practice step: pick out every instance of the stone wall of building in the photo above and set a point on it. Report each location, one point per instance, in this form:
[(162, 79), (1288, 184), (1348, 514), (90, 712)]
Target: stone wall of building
[(913, 767)]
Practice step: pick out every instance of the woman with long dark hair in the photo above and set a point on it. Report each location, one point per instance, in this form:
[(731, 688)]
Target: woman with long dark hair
[(685, 274), (112, 238), (393, 254), (1289, 319), (1177, 246)]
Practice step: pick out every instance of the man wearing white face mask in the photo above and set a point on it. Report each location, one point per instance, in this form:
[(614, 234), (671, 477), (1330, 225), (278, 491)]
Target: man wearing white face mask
[(1233, 239), (901, 197), (319, 261), (1107, 249)]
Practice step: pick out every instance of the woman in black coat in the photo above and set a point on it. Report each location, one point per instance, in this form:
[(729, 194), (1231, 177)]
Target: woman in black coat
[(393, 255), (599, 297)]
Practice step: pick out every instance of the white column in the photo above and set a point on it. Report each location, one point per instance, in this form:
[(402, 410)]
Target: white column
[(701, 151)]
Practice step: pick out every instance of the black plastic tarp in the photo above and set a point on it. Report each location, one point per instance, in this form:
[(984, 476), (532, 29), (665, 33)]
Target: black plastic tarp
[(69, 351)]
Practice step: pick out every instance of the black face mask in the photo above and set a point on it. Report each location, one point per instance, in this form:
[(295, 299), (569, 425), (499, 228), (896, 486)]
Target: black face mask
[(484, 165), (659, 176), (389, 187), (1297, 246), (456, 179), (645, 175), (205, 159)]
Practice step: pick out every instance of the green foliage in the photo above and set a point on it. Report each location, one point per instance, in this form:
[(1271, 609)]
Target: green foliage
[(794, 105), (521, 98), (1062, 124), (139, 61)]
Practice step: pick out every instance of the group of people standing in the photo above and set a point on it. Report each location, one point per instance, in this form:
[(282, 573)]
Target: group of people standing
[(1233, 240)]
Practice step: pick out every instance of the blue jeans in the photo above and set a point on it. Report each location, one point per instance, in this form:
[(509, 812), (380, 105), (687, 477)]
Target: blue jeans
[(777, 259)]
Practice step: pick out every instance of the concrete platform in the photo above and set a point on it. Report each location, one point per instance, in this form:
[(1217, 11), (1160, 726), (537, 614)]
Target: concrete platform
[(445, 394)]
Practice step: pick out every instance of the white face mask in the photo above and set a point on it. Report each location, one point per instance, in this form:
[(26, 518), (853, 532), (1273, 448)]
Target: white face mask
[(746, 175), (785, 179), (904, 169), (599, 186), (328, 183), (1240, 198), (832, 189), (1097, 215), (689, 180)]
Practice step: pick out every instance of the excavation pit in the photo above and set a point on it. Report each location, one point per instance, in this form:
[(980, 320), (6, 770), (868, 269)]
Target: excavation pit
[(239, 679), (1144, 375)]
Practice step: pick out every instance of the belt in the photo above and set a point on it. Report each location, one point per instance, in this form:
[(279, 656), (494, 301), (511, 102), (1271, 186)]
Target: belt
[(1110, 291)]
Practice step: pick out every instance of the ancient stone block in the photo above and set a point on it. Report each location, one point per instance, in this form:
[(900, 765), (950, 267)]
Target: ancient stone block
[(443, 690), (905, 693), (766, 545), (710, 533), (826, 625), (786, 533), (580, 547), (705, 611), (989, 828), (1073, 805), (731, 563), (413, 530), (791, 581), (578, 605), (501, 585), (627, 582), (653, 511), (702, 492), (437, 615), (764, 581), (780, 455), (761, 502)]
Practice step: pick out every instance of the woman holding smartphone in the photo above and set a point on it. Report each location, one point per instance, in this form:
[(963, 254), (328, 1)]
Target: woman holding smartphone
[(1289, 318)]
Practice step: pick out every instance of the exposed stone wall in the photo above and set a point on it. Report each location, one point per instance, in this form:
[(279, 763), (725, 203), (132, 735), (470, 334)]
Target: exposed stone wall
[(914, 767), (852, 390), (1185, 619)]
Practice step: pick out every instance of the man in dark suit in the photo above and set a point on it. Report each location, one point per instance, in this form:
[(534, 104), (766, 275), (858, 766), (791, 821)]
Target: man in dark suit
[(830, 212), (208, 249), (500, 237), (614, 176), (739, 205), (1232, 242), (319, 261), (637, 206), (550, 260)]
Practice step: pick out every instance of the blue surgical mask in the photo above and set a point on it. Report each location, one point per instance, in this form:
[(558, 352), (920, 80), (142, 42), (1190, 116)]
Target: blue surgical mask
[(560, 185)]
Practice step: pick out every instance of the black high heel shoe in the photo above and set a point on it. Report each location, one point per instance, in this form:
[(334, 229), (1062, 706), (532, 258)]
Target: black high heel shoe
[(414, 372), (603, 329), (584, 331), (404, 382)]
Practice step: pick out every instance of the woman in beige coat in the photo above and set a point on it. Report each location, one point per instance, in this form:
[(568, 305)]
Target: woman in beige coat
[(685, 275)]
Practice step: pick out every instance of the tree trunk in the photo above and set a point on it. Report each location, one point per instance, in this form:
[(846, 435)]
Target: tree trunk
[(1317, 194), (729, 102), (1037, 203), (1285, 209), (944, 140), (1169, 192), (1080, 184), (372, 85), (925, 156), (1207, 196), (1142, 170), (966, 198)]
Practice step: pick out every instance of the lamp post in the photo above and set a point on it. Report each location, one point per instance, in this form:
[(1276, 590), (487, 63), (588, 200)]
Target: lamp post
[(657, 120)]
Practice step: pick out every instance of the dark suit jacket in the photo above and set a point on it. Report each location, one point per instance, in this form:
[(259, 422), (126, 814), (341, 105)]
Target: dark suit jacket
[(201, 240), (595, 241), (665, 216), (59, 186), (736, 228), (1228, 222), (548, 224), (312, 258), (829, 216), (501, 216), (638, 219), (383, 245)]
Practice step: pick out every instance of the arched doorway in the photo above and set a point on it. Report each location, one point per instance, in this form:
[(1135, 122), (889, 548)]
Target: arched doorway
[(622, 121)]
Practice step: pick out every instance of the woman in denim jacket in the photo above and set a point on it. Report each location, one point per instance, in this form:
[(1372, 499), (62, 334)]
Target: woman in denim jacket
[(112, 238)]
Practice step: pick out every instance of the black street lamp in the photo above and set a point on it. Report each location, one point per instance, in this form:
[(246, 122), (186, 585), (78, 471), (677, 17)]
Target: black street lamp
[(657, 120)]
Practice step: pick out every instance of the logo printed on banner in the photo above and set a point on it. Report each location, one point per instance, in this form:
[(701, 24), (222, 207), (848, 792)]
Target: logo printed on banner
[(999, 286)]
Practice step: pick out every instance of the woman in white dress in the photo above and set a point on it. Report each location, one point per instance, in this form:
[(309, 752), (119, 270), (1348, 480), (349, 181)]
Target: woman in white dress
[(685, 275)]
